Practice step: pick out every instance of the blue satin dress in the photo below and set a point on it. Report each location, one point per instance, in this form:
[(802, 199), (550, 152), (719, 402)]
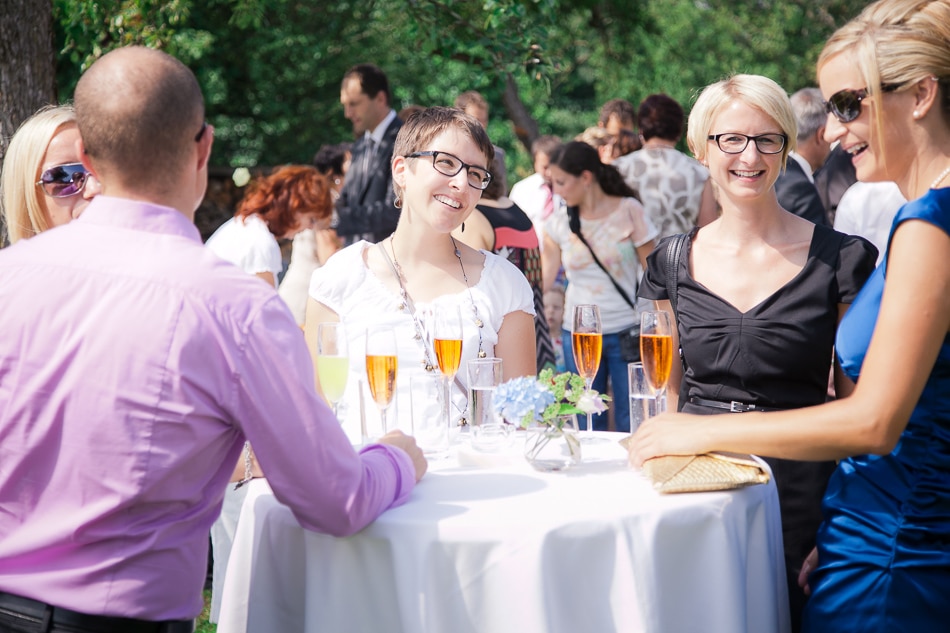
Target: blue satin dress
[(884, 547)]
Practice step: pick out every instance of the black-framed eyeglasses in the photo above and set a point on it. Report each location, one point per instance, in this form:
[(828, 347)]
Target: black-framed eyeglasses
[(449, 165), (845, 105), (63, 181), (734, 143)]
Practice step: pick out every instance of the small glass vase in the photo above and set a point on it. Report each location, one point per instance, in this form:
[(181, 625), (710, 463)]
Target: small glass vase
[(553, 447)]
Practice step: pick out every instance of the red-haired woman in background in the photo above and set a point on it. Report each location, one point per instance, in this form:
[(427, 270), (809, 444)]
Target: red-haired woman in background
[(293, 198)]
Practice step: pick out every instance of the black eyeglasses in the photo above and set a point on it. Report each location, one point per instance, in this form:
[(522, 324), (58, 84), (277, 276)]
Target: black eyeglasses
[(449, 165), (63, 181), (734, 143), (845, 105)]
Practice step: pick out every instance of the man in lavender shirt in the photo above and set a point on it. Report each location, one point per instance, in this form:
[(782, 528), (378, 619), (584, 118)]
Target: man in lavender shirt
[(133, 365)]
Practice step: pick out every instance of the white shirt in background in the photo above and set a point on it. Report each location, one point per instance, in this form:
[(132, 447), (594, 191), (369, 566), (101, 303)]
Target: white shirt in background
[(248, 244), (868, 209)]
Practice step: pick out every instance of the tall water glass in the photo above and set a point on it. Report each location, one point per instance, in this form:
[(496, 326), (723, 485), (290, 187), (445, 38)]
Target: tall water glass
[(656, 350), (643, 400), (488, 432), (428, 426), (381, 365), (587, 341)]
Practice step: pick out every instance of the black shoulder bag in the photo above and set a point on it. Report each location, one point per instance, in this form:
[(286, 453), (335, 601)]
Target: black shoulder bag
[(674, 251)]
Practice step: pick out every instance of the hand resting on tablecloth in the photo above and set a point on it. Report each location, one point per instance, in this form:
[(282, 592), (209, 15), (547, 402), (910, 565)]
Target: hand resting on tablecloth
[(408, 444)]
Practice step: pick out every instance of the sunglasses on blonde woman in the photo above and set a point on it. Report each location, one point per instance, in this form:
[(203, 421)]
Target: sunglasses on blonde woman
[(845, 105), (63, 181)]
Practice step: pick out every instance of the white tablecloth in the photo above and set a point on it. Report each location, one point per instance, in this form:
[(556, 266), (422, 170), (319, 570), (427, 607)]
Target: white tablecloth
[(497, 547)]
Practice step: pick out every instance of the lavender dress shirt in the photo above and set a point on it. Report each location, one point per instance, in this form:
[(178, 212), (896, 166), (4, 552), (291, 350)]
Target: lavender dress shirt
[(133, 365)]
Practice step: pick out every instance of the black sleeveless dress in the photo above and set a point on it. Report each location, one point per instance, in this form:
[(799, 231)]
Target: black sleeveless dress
[(776, 355)]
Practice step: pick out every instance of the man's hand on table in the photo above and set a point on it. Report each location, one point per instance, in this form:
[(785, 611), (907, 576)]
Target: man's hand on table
[(408, 444)]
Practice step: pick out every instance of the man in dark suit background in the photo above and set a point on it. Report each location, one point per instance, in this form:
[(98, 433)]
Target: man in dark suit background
[(795, 186), (365, 207), (834, 178)]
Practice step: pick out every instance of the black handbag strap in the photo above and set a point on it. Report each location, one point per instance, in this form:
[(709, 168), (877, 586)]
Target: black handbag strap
[(622, 292), (673, 254)]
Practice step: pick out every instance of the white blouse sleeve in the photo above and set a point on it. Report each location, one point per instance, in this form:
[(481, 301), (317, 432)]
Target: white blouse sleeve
[(506, 288)]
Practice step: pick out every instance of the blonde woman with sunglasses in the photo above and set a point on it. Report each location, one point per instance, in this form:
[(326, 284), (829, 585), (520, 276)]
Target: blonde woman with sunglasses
[(882, 561), (44, 183)]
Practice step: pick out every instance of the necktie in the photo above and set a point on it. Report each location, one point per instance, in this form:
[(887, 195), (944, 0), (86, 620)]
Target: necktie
[(370, 153), (548, 202)]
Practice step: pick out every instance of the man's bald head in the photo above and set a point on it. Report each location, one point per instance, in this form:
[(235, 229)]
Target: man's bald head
[(139, 111)]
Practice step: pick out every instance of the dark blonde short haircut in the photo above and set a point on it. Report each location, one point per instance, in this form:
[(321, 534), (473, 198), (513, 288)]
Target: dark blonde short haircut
[(425, 126)]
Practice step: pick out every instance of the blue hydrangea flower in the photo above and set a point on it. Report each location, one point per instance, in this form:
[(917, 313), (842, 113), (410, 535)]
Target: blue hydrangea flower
[(521, 400)]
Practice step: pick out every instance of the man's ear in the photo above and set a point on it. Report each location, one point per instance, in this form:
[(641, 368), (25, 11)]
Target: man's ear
[(84, 158), (204, 147)]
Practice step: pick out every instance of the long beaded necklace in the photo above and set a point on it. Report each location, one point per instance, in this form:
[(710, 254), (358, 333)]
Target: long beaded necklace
[(407, 303)]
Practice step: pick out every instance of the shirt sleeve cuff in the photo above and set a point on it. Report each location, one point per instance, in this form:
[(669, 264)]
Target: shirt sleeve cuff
[(405, 471)]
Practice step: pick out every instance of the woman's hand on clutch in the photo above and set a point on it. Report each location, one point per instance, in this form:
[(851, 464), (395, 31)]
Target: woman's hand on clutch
[(669, 434), (408, 444)]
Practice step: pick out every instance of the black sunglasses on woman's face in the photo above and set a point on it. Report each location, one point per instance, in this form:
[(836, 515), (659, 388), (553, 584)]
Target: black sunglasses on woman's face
[(845, 105)]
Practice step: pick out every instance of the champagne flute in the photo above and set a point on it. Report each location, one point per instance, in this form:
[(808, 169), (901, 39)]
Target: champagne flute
[(333, 362), (587, 341), (381, 364), (656, 351), (447, 341)]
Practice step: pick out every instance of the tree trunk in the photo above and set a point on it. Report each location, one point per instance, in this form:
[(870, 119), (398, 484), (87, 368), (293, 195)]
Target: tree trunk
[(525, 127), (27, 70)]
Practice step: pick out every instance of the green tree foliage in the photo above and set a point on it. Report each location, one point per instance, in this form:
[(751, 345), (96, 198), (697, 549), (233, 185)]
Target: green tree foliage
[(271, 69)]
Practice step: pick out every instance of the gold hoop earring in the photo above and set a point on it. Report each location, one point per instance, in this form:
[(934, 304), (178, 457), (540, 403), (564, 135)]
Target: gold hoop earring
[(397, 202)]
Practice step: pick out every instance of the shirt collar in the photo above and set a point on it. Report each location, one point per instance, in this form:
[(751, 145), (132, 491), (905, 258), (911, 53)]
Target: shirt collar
[(806, 167), (138, 215), (379, 130)]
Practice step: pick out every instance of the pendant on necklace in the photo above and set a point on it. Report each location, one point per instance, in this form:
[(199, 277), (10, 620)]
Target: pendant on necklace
[(478, 323), (481, 353)]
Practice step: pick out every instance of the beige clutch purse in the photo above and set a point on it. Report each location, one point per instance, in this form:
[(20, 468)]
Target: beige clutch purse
[(700, 473)]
